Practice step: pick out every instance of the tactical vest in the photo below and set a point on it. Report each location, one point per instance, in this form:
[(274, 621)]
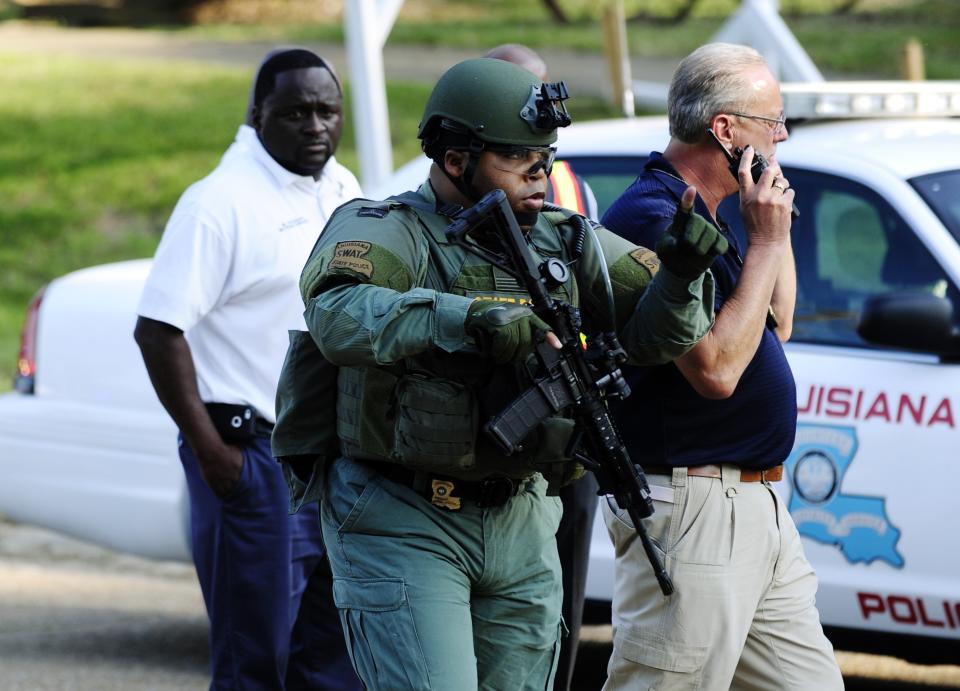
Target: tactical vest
[(427, 413)]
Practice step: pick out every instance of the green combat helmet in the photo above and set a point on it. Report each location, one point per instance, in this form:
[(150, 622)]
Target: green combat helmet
[(491, 105)]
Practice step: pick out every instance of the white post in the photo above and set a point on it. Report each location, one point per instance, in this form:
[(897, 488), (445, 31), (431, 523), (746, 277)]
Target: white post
[(368, 23), (618, 56)]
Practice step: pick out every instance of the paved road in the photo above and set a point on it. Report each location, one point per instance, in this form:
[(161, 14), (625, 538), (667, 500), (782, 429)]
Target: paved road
[(584, 73), (78, 617)]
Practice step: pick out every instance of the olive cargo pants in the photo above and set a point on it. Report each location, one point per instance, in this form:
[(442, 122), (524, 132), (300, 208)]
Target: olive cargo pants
[(437, 599)]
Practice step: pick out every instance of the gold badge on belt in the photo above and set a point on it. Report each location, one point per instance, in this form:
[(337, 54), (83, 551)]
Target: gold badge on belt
[(443, 495)]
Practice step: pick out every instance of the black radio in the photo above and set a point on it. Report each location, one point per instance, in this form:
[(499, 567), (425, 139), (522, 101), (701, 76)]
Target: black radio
[(236, 423)]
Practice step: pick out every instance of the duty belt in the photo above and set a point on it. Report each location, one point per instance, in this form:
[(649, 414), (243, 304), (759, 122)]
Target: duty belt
[(449, 492)]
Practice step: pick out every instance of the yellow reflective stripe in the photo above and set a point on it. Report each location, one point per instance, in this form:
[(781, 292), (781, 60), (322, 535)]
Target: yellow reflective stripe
[(566, 190)]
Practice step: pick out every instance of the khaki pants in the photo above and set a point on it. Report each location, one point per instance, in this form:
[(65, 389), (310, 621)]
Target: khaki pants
[(438, 599), (743, 615)]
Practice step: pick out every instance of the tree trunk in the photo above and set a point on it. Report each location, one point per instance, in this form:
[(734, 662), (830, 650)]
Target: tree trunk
[(556, 12), (680, 15)]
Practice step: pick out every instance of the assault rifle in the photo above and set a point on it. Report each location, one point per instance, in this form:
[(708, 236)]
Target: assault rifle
[(574, 380)]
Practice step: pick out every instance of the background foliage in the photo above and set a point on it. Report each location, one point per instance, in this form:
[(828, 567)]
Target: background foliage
[(93, 154)]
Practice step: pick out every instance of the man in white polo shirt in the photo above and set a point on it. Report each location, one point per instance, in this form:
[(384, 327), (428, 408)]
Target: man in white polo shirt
[(214, 315)]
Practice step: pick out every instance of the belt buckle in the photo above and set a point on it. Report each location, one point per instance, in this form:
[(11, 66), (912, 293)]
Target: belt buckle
[(442, 494), (495, 491)]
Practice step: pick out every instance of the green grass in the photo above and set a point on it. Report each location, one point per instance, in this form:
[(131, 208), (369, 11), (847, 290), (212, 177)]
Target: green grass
[(94, 154), (876, 50)]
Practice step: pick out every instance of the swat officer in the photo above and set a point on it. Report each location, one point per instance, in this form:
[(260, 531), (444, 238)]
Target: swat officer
[(579, 499), (445, 566)]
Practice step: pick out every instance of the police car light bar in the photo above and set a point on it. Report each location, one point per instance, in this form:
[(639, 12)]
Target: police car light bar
[(871, 99)]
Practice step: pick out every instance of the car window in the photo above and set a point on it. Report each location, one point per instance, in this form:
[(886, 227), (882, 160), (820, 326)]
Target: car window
[(608, 176), (849, 243), (942, 192)]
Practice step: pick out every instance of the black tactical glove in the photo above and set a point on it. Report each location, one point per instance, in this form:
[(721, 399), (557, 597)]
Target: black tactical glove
[(505, 331), (690, 244)]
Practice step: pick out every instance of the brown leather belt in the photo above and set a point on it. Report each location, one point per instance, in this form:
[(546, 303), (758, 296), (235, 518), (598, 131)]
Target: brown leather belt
[(774, 474)]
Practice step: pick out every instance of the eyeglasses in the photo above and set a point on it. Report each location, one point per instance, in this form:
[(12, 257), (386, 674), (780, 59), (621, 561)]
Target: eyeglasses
[(775, 124), (524, 160)]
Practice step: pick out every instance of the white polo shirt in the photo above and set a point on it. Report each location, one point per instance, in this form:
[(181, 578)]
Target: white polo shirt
[(228, 266)]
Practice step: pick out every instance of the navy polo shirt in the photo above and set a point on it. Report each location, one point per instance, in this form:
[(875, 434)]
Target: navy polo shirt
[(665, 421)]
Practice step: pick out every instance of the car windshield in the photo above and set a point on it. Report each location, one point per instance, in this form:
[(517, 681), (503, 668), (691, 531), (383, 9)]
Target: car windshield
[(942, 192)]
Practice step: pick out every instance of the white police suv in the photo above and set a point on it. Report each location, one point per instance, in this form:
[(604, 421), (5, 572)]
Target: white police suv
[(873, 481)]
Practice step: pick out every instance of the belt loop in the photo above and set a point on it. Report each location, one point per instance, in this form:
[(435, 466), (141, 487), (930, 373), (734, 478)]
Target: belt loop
[(729, 475), (679, 478)]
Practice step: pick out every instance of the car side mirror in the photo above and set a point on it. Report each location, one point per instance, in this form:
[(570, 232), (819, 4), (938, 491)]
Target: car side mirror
[(912, 320)]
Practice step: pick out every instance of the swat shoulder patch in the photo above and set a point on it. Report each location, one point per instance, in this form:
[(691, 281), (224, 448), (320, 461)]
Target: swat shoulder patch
[(351, 255), (646, 258)]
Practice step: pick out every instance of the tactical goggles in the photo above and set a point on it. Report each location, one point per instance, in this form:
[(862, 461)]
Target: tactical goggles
[(523, 160)]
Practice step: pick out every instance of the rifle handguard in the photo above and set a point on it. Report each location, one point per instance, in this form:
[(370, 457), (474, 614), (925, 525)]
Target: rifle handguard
[(571, 381)]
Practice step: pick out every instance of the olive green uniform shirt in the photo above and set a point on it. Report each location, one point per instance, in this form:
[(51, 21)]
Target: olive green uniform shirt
[(386, 298)]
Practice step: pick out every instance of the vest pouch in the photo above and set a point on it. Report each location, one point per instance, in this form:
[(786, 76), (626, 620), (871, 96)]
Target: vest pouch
[(436, 425), (547, 455), (305, 435)]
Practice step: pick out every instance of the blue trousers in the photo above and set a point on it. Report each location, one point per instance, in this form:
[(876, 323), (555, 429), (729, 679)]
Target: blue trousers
[(265, 582)]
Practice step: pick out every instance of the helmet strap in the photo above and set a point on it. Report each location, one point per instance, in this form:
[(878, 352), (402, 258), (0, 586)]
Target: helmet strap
[(464, 183), (466, 180)]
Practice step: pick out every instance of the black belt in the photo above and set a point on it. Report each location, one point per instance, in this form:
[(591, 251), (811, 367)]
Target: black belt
[(448, 492)]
